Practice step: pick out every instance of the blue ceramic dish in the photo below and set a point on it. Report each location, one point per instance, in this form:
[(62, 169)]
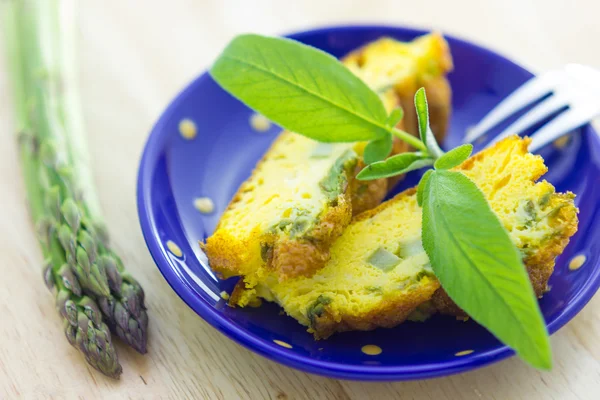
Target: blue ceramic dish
[(174, 171)]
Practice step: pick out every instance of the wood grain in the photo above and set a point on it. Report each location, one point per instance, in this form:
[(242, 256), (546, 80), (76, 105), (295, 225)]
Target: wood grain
[(136, 55)]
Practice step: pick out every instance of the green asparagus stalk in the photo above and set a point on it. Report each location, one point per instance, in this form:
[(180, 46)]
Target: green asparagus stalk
[(124, 307), (81, 317), (92, 287)]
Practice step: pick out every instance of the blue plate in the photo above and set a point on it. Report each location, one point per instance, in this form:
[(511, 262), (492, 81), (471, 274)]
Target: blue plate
[(174, 171)]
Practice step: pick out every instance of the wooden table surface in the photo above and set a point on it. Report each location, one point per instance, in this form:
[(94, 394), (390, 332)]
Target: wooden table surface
[(136, 55)]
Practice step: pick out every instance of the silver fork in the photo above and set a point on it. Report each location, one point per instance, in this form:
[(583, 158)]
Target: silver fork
[(574, 86)]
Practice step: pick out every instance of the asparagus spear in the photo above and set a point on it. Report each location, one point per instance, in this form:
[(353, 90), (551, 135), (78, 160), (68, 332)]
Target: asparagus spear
[(81, 315), (53, 153), (124, 306)]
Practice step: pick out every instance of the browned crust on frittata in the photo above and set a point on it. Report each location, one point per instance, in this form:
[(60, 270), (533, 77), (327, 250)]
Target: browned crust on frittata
[(367, 194), (303, 257), (238, 293), (389, 313)]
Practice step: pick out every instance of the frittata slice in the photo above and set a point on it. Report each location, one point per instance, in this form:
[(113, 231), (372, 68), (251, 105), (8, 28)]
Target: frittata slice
[(379, 273), (302, 194)]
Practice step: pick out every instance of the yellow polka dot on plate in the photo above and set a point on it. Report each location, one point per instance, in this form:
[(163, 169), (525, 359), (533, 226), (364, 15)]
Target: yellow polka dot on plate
[(463, 353), (371, 350), (204, 204), (187, 129), (282, 344), (174, 249), (260, 123), (577, 262)]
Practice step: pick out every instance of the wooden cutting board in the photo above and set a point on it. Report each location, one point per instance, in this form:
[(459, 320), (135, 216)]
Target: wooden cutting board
[(135, 57)]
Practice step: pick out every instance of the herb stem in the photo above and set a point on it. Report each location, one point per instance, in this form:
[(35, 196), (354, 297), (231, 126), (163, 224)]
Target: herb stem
[(410, 139)]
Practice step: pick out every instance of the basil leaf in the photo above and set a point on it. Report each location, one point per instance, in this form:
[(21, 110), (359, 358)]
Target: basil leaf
[(479, 267), (421, 187), (301, 88), (425, 132), (377, 150), (395, 165), (454, 157), (395, 116)]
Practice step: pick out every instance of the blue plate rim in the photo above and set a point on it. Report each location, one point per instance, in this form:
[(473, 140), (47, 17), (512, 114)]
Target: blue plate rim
[(286, 357)]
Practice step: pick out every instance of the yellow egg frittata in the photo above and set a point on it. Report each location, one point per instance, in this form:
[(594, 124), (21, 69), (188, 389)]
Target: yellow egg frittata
[(302, 194), (379, 273)]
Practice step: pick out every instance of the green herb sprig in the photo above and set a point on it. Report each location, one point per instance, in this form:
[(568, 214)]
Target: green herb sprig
[(307, 91)]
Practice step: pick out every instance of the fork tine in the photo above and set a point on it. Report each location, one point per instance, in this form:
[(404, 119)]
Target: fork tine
[(563, 124), (532, 90), (536, 114)]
